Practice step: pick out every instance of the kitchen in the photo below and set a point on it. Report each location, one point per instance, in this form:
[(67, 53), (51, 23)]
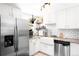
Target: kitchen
[(62, 31), (42, 29)]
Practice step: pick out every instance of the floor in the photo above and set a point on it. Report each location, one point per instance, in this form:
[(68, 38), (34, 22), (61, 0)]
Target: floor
[(40, 53), (24, 54)]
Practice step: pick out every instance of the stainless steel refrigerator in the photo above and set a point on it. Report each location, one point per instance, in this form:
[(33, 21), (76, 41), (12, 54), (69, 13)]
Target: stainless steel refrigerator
[(14, 36)]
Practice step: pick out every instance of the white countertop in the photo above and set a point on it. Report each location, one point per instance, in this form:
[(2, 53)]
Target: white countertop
[(50, 39)]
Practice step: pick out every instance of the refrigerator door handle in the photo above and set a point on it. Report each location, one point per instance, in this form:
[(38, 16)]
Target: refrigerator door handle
[(15, 37)]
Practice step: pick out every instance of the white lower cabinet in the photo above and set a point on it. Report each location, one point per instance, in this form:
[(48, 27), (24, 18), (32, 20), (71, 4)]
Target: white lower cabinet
[(45, 45), (33, 46), (47, 48), (74, 49)]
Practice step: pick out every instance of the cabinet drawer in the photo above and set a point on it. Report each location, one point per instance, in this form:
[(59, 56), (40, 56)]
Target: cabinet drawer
[(47, 48), (74, 48)]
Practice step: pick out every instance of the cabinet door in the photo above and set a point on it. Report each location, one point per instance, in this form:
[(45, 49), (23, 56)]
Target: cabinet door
[(73, 17), (61, 17), (43, 47), (74, 49), (50, 49), (76, 19), (47, 45), (68, 18), (31, 47), (47, 48), (5, 10), (16, 13), (37, 45), (51, 16), (34, 46), (48, 15)]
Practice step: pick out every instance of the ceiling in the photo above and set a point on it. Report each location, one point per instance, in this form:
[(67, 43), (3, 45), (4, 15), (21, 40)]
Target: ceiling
[(34, 6), (59, 6), (30, 6)]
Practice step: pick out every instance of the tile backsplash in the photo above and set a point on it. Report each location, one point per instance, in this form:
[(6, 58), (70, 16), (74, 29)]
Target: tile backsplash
[(68, 33)]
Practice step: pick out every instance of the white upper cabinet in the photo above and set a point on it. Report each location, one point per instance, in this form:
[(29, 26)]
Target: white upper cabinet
[(9, 11), (17, 13), (5, 10), (48, 14), (68, 18), (73, 17), (60, 18)]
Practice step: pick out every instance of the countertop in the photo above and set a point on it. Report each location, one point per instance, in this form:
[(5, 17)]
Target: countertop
[(72, 40)]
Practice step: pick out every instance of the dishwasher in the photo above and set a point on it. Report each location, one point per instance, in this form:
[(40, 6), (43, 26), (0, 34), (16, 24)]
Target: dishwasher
[(61, 48)]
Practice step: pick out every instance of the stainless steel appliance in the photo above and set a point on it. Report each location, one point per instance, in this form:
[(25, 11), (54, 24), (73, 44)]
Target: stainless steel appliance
[(61, 48), (22, 34), (14, 36), (30, 33)]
